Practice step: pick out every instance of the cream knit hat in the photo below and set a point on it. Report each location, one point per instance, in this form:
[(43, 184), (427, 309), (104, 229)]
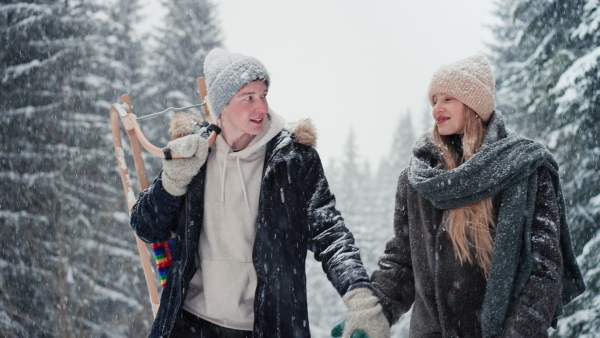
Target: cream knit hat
[(469, 80)]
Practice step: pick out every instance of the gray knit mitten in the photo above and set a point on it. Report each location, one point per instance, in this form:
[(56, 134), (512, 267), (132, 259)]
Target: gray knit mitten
[(364, 314), (177, 174)]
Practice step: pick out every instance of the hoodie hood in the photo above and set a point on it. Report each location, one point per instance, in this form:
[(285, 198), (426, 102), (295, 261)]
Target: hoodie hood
[(250, 157)]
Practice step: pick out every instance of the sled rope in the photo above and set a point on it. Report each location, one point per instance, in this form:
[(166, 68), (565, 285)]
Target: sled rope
[(171, 109)]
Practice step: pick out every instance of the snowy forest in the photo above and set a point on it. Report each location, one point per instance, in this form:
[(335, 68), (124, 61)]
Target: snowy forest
[(69, 264)]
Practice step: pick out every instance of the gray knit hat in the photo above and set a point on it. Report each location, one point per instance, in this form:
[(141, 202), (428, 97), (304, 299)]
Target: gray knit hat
[(470, 80), (225, 73)]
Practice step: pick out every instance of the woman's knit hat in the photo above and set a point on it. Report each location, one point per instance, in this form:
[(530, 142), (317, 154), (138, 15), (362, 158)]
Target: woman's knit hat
[(470, 80), (225, 73)]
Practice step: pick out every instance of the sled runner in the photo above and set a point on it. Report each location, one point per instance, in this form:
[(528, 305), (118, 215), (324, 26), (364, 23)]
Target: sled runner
[(123, 112)]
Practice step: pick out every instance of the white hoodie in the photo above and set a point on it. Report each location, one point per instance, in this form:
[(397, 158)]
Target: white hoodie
[(222, 290)]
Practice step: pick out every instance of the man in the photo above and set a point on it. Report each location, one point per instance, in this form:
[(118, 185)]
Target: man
[(245, 212)]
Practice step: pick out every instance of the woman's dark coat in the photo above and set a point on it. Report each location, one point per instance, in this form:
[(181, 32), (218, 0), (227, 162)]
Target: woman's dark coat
[(296, 212), (419, 268)]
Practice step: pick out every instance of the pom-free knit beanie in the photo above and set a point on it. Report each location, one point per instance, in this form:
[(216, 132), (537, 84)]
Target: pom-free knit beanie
[(225, 73), (470, 80)]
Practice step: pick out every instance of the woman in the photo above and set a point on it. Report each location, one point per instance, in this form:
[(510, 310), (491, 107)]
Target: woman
[(481, 244)]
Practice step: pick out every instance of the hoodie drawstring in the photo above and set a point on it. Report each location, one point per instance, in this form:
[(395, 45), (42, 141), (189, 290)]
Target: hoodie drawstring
[(241, 178), (223, 180), (243, 185)]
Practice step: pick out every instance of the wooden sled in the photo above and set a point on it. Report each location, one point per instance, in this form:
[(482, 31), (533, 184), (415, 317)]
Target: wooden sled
[(123, 112)]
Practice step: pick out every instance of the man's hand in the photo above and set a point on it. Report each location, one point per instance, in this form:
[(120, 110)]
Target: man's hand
[(177, 174)]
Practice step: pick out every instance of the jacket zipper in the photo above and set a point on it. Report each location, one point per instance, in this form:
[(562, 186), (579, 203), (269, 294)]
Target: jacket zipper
[(268, 159), (287, 210), (294, 295)]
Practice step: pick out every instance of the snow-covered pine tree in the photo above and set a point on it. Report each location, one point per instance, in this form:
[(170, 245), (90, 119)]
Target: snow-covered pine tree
[(349, 180), (548, 68), (189, 30), (386, 181), (123, 48), (122, 56), (356, 198), (576, 139), (349, 201), (506, 61), (367, 204), (65, 260), (402, 145), (530, 57), (424, 119)]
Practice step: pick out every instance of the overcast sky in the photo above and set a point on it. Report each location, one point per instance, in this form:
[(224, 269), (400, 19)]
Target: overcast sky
[(354, 64)]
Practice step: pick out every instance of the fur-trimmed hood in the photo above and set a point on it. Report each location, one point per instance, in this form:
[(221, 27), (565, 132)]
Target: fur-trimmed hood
[(183, 124)]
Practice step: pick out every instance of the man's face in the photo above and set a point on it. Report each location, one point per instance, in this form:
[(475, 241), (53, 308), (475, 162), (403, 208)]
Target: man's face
[(246, 112)]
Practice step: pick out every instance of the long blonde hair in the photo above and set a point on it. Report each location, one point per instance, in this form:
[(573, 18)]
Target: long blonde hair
[(470, 227)]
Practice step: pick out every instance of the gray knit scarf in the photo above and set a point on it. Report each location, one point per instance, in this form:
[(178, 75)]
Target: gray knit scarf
[(507, 164)]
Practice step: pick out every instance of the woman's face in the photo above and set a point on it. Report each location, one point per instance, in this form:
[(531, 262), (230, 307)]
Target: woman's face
[(449, 114)]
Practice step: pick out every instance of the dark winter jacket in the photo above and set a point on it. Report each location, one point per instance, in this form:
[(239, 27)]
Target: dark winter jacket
[(449, 299), (296, 212)]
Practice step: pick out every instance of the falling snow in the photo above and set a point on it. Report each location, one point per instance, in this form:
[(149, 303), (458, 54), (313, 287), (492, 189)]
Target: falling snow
[(66, 239)]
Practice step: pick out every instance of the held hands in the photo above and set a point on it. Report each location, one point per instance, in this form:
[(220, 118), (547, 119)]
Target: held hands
[(177, 174), (364, 319)]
